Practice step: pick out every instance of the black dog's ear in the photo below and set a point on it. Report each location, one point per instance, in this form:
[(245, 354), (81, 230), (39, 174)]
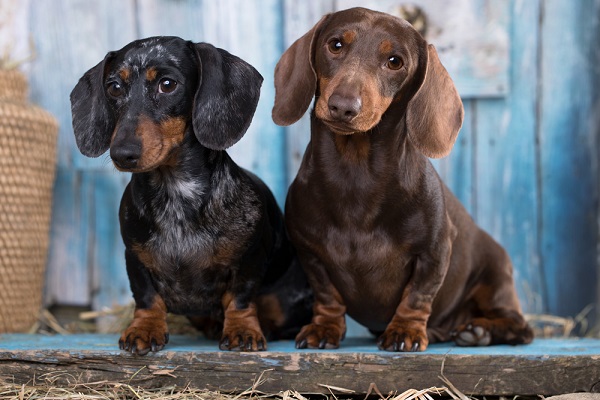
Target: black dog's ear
[(226, 98), (295, 78), (435, 113), (93, 122)]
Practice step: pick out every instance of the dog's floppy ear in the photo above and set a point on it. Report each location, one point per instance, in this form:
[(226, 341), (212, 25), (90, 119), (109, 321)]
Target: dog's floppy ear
[(435, 113), (296, 79), (93, 121), (226, 98)]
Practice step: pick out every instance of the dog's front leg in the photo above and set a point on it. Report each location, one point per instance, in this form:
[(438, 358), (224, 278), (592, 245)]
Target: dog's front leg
[(407, 331), (328, 325), (241, 328), (148, 330)]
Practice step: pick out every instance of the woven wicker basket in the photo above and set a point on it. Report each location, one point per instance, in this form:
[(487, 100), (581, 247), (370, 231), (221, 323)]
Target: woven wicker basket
[(27, 164)]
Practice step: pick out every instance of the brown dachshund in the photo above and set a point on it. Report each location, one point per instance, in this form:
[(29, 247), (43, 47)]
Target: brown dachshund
[(378, 233)]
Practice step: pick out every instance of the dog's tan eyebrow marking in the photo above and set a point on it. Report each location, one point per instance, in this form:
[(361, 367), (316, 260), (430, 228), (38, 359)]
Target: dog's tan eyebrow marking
[(349, 36), (151, 74), (385, 47), (124, 74)]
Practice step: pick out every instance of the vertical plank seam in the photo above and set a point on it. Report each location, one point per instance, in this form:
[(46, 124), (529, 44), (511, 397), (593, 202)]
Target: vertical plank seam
[(285, 131), (87, 196), (538, 156), (138, 23), (474, 134)]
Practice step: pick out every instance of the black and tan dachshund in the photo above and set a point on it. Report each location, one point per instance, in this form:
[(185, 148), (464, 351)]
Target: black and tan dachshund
[(204, 238), (378, 233)]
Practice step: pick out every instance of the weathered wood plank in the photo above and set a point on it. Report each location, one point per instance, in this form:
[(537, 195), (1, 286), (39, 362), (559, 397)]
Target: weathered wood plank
[(299, 17), (569, 153), (72, 36), (457, 169), (109, 282), (506, 160), (14, 21), (470, 36), (546, 367), (68, 272), (259, 41), (86, 263)]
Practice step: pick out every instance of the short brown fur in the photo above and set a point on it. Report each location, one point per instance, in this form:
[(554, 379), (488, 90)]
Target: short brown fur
[(378, 233), (148, 330), (241, 328), (151, 74), (124, 74), (158, 140), (349, 36)]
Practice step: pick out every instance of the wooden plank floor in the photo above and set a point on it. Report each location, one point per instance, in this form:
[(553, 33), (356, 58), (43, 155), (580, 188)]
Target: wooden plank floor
[(545, 367)]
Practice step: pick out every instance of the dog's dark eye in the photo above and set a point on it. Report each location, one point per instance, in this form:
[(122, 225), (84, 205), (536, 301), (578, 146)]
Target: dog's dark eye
[(335, 46), (115, 89), (167, 85), (394, 62)]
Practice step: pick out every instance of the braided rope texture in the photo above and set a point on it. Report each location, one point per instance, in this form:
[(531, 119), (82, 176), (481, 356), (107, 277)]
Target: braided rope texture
[(28, 138)]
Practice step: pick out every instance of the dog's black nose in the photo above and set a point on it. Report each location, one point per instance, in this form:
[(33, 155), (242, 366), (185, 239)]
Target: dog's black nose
[(344, 108), (126, 156)]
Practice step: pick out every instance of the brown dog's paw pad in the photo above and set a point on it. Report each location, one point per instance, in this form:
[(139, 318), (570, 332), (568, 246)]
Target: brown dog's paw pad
[(473, 335), (243, 340), (315, 336), (403, 339), (140, 340)]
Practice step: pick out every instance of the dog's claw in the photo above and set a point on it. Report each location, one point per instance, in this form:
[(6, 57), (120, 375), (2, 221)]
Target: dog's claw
[(224, 344), (403, 337), (243, 340), (249, 343), (143, 338), (320, 336)]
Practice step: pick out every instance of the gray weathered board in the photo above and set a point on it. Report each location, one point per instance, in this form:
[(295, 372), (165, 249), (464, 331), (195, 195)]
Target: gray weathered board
[(545, 367)]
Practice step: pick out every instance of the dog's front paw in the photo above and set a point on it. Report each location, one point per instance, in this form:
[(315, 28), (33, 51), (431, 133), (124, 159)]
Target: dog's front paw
[(242, 339), (320, 336), (403, 337), (142, 336)]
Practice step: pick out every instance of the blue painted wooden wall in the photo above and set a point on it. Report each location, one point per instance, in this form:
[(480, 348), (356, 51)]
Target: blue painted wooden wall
[(525, 165)]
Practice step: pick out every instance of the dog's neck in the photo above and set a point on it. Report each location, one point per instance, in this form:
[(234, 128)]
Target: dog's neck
[(384, 153), (385, 145), (185, 177)]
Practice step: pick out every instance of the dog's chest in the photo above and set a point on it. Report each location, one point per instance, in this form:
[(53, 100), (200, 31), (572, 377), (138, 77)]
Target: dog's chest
[(370, 270), (367, 248), (196, 241)]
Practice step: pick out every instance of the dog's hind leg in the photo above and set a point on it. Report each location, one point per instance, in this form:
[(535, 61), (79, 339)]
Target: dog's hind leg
[(497, 318)]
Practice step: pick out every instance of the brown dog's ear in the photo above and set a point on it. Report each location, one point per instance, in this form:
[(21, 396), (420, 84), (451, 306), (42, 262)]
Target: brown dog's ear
[(435, 113), (226, 98), (93, 121), (296, 79)]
